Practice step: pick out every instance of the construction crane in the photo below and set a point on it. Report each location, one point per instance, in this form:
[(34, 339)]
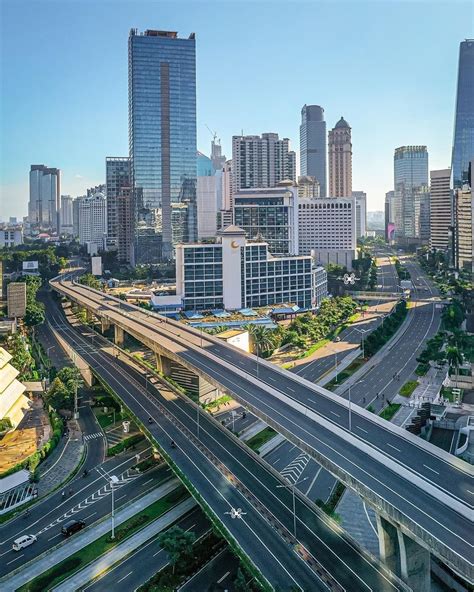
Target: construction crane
[(213, 134)]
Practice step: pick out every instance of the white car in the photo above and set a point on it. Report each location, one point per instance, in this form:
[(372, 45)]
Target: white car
[(24, 541)]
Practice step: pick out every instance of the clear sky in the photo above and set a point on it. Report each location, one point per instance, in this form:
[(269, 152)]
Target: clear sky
[(389, 67)]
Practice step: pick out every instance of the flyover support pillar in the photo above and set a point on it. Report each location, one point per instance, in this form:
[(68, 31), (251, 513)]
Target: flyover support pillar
[(105, 325), (119, 335), (163, 364), (388, 544)]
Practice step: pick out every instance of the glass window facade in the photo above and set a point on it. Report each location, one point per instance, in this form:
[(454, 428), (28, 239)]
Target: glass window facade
[(313, 144), (410, 179), (203, 286), (463, 148), (162, 138)]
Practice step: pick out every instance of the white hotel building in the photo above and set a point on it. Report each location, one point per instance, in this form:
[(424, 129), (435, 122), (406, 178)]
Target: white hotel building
[(234, 273)]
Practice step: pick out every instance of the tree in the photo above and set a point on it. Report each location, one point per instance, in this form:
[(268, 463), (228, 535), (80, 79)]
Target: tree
[(178, 543), (90, 280), (59, 396), (34, 315), (240, 582), (263, 339), (454, 357)]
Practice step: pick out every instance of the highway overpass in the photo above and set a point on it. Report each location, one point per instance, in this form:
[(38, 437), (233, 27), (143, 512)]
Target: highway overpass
[(423, 496)]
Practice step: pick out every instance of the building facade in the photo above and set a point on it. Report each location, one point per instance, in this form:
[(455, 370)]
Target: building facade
[(440, 209), (117, 175), (361, 212), (16, 299), (313, 145), (11, 236), (234, 273), (269, 215), (162, 138), (327, 230), (464, 228), (66, 225), (125, 227), (93, 222), (206, 193), (410, 184), (261, 161), (340, 160), (463, 145), (44, 200), (389, 214), (308, 187)]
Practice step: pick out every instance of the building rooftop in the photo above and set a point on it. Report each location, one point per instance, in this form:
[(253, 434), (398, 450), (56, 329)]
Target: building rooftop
[(342, 123)]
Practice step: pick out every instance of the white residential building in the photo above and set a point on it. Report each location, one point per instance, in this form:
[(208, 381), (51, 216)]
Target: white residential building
[(327, 229), (441, 213), (361, 212), (11, 236), (93, 222), (206, 198), (65, 215)]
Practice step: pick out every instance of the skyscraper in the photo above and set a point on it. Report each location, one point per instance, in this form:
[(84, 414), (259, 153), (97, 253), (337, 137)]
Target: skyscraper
[(45, 192), (340, 160), (117, 175), (463, 146), (65, 215), (440, 209), (361, 212), (313, 145), (162, 138), (260, 162), (93, 222), (411, 186)]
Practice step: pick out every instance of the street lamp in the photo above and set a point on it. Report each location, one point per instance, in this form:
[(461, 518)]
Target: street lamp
[(113, 481), (363, 331), (293, 487)]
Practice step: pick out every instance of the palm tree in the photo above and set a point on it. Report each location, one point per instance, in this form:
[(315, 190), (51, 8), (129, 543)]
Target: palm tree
[(454, 358), (263, 339)]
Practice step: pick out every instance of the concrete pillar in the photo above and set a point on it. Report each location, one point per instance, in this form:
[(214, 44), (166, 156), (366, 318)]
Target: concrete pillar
[(119, 335), (163, 364), (105, 325), (89, 315), (415, 564), (388, 544)]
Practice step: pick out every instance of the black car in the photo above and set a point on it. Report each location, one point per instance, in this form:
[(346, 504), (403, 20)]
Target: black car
[(72, 526)]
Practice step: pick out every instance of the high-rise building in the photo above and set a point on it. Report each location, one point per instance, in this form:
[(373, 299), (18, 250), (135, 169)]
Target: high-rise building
[(313, 145), (340, 160), (125, 227), (45, 191), (117, 175), (218, 159), (162, 138), (16, 299), (260, 162), (361, 212), (269, 215), (66, 215), (464, 224), (463, 146), (308, 187), (75, 215), (440, 209), (411, 184), (327, 230), (93, 222), (389, 215)]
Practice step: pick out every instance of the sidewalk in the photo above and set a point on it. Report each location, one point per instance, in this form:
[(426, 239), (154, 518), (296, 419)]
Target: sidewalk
[(118, 553), (66, 548), (64, 460)]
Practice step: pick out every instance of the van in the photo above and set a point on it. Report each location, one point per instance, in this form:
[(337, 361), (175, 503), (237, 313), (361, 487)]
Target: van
[(72, 526), (24, 541)]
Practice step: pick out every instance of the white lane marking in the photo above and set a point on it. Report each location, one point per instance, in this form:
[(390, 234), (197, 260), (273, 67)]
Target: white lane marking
[(149, 481), (121, 497), (312, 482), (121, 579), (223, 577), (90, 515), (53, 537), (336, 414), (430, 469), (292, 390), (362, 429), (394, 447), (16, 559), (469, 491)]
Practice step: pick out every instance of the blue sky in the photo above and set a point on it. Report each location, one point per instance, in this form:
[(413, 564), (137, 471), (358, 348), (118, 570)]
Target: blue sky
[(389, 67)]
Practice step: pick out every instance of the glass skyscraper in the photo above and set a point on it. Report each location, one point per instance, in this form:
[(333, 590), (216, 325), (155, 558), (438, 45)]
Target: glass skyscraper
[(162, 138), (313, 145), (411, 187), (463, 146)]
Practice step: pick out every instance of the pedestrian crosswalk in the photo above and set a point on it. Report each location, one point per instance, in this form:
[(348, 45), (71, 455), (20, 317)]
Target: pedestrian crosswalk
[(293, 470), (92, 436)]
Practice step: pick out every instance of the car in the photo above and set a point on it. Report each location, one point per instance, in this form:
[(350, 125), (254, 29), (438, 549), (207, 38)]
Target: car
[(24, 541), (72, 526)]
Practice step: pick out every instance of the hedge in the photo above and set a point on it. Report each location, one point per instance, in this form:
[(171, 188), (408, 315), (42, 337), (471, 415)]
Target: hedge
[(125, 444)]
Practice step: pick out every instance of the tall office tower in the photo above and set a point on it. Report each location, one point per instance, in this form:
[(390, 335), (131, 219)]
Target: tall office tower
[(45, 191), (463, 148), (313, 145), (270, 215), (411, 183), (389, 215), (340, 160), (218, 159), (162, 138), (93, 222), (440, 209), (361, 212), (65, 215), (259, 162), (117, 175), (124, 238), (464, 212)]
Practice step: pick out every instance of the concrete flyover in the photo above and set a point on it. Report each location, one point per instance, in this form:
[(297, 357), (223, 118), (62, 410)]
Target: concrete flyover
[(426, 494)]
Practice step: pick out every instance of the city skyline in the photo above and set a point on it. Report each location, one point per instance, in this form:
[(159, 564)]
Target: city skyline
[(80, 153)]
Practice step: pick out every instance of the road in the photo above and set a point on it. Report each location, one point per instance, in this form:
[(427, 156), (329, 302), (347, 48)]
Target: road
[(142, 564), (408, 477), (175, 419), (216, 575)]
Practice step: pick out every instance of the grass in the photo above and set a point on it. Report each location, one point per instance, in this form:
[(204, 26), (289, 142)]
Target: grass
[(447, 393), (389, 411), (344, 374), (319, 344), (259, 439), (408, 388), (218, 402), (56, 574), (422, 369), (107, 419)]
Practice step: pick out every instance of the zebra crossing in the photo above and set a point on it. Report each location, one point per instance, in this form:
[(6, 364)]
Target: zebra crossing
[(92, 436), (104, 491), (292, 471)]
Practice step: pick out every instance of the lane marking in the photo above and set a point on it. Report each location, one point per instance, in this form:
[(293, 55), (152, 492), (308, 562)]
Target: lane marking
[(336, 414), (90, 515), (223, 577), (55, 536), (394, 447), (149, 481), (429, 468), (121, 579), (362, 429), (16, 559)]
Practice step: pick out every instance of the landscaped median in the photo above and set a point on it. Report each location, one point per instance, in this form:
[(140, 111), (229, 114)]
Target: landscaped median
[(81, 558), (257, 441)]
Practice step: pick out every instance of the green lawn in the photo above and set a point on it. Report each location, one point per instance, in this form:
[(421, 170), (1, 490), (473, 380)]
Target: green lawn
[(259, 439), (408, 388), (389, 411), (80, 559), (344, 374), (106, 419)]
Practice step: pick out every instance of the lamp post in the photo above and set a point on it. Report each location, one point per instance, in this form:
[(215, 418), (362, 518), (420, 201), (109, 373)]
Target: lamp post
[(334, 351), (363, 332), (292, 486), (113, 481)]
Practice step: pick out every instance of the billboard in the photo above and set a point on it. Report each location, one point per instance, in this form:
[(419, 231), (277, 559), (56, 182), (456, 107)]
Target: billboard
[(96, 266)]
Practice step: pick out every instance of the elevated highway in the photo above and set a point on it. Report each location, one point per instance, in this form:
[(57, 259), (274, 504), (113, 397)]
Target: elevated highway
[(419, 490)]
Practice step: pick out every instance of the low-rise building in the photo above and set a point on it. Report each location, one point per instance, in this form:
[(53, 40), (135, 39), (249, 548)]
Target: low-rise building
[(16, 299), (237, 337), (10, 236), (13, 403)]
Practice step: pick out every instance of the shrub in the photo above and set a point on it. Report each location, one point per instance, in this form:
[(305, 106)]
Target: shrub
[(125, 444)]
